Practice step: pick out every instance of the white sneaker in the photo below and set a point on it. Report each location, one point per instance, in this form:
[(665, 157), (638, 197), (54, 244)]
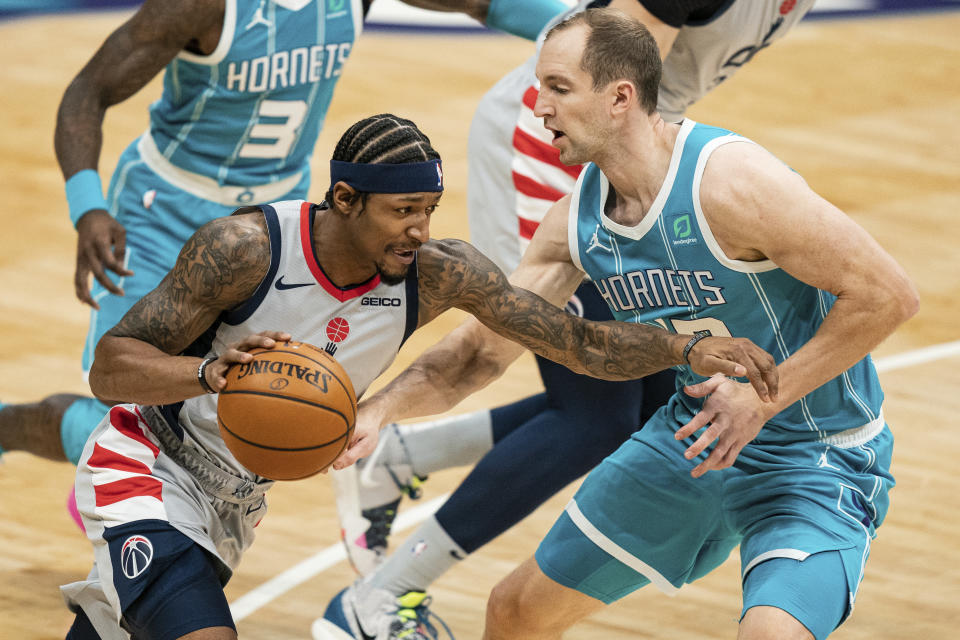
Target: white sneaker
[(368, 495)]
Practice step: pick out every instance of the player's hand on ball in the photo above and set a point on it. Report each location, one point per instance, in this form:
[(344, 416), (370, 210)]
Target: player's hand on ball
[(735, 415), (236, 353), (737, 357)]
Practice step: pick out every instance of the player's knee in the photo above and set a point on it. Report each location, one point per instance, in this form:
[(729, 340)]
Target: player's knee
[(513, 609), (771, 623)]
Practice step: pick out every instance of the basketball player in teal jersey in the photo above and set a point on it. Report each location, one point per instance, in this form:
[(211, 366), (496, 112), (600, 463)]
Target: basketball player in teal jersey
[(696, 229), (246, 88)]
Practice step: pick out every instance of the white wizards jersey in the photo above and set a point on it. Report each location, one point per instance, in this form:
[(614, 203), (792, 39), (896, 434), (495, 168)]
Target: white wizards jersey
[(362, 326), (249, 113), (515, 173)]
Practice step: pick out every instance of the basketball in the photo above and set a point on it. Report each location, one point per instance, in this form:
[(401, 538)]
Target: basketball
[(288, 413)]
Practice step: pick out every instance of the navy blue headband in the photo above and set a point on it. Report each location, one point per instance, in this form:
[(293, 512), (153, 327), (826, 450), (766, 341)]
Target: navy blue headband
[(410, 177)]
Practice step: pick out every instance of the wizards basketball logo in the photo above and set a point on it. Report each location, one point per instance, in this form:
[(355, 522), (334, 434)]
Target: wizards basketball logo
[(337, 331), (135, 556)]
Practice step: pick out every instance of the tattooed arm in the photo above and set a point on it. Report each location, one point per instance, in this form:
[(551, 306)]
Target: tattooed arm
[(454, 274), (219, 267)]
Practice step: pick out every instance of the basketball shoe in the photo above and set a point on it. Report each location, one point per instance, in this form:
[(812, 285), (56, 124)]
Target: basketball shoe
[(368, 495), (360, 612)]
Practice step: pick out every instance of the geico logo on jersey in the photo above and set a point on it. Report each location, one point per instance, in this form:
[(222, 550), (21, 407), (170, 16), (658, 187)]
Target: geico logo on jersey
[(282, 69), (380, 302)]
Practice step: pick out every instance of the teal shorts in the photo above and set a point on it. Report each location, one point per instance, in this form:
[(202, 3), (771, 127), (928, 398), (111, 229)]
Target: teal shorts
[(640, 517)]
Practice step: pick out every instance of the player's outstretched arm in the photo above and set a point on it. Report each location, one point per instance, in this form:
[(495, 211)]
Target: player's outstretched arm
[(462, 277), (129, 58), (220, 266)]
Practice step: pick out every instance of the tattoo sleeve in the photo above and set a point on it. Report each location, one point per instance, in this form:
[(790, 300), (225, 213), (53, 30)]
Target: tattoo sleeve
[(454, 274), (218, 268)]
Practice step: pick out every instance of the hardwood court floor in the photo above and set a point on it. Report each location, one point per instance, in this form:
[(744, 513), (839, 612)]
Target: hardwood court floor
[(868, 111)]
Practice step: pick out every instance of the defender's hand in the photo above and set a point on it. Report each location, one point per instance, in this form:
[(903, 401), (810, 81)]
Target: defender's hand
[(737, 357), (735, 415), (366, 433), (101, 245)]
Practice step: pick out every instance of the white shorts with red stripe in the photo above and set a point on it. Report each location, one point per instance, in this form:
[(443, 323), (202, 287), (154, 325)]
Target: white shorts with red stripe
[(514, 172), (126, 475)]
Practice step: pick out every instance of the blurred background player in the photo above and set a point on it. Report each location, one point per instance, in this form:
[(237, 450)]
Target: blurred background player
[(247, 85), (531, 449)]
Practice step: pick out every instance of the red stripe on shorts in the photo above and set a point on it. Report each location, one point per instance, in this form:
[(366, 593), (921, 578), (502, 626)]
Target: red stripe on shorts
[(529, 187), (540, 150), (107, 459), (138, 486), (127, 423)]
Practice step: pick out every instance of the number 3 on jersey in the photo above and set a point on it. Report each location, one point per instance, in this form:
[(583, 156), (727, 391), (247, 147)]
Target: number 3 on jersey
[(283, 134)]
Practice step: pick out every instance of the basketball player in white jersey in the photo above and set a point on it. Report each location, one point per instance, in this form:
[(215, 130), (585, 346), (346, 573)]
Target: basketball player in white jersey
[(247, 85), (168, 508), (515, 175)]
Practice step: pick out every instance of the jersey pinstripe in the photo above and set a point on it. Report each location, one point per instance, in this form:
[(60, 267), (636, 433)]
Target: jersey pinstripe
[(670, 271)]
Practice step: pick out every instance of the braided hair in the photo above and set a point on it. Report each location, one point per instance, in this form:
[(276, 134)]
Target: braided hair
[(383, 139)]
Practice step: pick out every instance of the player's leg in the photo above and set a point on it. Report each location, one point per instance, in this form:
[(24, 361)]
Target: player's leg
[(810, 520), (605, 545), (35, 426), (150, 576), (529, 605), (585, 420), (811, 606), (369, 495)]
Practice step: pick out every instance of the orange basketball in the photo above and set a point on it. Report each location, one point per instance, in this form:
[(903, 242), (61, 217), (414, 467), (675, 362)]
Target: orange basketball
[(288, 413)]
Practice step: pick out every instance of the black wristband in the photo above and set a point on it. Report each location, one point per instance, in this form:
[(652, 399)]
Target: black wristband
[(201, 374), (697, 337)]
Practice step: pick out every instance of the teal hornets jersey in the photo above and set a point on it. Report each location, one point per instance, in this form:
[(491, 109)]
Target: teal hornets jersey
[(250, 112), (669, 271)]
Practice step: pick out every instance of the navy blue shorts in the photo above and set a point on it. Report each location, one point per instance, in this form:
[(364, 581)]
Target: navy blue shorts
[(167, 584)]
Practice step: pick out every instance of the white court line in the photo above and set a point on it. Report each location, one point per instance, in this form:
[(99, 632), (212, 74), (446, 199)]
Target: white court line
[(317, 563), (918, 356), (300, 573)]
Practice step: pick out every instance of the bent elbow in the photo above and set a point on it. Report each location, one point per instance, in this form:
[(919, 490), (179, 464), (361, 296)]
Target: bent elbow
[(912, 305), (99, 385), (907, 302)]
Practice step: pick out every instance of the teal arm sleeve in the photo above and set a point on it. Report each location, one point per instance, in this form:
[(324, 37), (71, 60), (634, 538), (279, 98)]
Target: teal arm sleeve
[(524, 18)]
